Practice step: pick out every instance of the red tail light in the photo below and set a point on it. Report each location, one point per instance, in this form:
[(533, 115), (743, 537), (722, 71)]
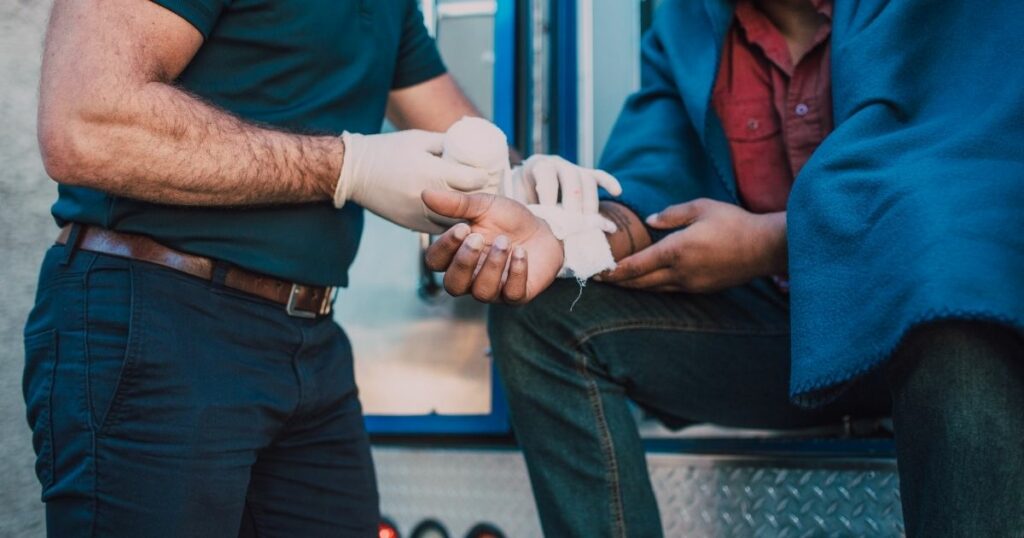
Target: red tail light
[(387, 529)]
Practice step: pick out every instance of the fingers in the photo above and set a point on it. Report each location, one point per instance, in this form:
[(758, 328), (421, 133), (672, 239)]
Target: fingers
[(607, 182), (545, 175), (487, 283), (596, 220), (640, 263), (570, 179), (462, 177), (677, 215), (588, 192), (427, 141), (441, 253), (457, 205), (458, 279), (657, 280), (514, 291)]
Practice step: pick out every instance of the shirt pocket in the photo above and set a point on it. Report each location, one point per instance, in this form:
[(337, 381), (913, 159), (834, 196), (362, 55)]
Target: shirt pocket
[(760, 162), (40, 369), (750, 120)]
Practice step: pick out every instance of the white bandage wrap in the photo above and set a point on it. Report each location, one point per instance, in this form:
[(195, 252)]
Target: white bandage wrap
[(586, 247), (481, 144)]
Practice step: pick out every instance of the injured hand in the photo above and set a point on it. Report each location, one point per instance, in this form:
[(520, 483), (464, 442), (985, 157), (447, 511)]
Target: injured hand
[(508, 252), (479, 143), (502, 253)]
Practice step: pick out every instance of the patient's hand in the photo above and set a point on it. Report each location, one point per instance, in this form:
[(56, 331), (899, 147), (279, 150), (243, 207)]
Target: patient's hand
[(503, 254), (716, 245)]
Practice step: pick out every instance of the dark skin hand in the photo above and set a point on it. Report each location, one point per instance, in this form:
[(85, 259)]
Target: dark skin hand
[(718, 245), (487, 255)]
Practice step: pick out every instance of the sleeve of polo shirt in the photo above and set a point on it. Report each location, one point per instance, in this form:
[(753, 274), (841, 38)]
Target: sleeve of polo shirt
[(418, 58), (202, 14)]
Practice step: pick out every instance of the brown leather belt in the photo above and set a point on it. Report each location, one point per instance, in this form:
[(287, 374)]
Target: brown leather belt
[(299, 300)]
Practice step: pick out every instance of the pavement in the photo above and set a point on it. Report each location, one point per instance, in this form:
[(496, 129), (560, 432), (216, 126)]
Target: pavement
[(25, 231)]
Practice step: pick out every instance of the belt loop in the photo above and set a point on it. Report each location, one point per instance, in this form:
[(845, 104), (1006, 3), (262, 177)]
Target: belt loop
[(220, 274), (71, 246)]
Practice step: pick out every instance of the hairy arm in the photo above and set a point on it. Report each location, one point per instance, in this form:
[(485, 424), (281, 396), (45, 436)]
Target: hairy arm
[(110, 118)]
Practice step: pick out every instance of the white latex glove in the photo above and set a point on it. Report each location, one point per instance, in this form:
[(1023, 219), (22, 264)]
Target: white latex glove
[(386, 173), (541, 177)]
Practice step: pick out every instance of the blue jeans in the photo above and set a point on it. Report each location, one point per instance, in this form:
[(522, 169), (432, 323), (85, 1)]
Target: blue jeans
[(164, 405), (956, 393)]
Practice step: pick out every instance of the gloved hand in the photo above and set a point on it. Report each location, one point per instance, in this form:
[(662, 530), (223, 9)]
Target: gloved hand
[(541, 177), (386, 173)]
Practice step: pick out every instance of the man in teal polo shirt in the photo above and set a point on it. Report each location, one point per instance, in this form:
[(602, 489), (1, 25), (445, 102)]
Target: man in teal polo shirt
[(183, 374)]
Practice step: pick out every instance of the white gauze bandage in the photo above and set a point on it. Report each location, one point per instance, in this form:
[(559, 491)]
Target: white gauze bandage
[(585, 244), (481, 144)]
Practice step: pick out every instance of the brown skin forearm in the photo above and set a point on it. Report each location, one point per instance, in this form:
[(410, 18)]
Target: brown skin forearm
[(631, 236), (110, 118)]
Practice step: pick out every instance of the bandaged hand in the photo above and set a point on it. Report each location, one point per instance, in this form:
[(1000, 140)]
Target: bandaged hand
[(501, 253), (386, 174), (479, 143), (541, 178)]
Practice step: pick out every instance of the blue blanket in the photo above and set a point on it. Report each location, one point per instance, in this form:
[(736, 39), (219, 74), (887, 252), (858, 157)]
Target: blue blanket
[(912, 210)]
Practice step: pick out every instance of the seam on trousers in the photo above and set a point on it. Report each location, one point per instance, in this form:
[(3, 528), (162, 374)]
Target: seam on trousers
[(607, 445), (93, 448), (579, 340)]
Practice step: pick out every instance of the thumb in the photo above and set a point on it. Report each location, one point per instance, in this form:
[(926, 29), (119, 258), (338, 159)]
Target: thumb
[(457, 205), (462, 177), (676, 216), (427, 141)]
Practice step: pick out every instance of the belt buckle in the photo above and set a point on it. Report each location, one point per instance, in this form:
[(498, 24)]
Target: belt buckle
[(325, 304)]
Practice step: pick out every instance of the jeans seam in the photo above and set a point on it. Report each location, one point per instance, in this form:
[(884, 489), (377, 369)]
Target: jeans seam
[(607, 444), (582, 338)]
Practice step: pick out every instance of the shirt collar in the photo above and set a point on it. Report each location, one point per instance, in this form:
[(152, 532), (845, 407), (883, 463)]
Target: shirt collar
[(761, 31)]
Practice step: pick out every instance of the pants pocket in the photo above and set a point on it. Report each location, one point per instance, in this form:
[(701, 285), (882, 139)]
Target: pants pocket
[(108, 322), (40, 368)]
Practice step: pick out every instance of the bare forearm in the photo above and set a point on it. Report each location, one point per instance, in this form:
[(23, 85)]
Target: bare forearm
[(155, 142), (434, 105), (631, 236), (774, 242), (110, 117)]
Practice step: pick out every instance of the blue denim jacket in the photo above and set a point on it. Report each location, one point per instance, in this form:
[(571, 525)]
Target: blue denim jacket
[(912, 210)]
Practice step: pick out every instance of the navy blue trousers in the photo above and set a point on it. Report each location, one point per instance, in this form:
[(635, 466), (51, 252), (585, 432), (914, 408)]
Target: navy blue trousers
[(164, 405)]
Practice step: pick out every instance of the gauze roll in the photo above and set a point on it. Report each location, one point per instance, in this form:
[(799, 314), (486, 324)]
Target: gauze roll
[(481, 144), (478, 143)]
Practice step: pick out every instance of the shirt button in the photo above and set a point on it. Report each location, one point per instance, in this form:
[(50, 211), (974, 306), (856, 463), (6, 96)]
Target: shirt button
[(801, 109), (753, 124)]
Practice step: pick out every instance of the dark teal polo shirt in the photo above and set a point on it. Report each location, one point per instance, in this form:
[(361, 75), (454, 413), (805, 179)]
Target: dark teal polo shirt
[(306, 66)]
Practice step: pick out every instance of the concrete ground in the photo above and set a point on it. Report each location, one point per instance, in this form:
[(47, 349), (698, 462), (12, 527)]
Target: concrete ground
[(25, 231)]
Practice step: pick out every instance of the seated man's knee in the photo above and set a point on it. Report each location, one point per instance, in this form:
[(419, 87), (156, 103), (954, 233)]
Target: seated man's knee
[(960, 371), (543, 319)]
